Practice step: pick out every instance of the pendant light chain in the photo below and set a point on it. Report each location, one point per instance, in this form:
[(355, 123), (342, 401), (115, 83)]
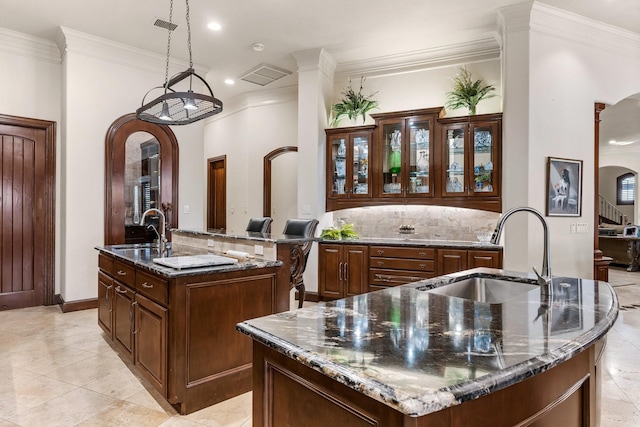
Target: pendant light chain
[(166, 70), (188, 35)]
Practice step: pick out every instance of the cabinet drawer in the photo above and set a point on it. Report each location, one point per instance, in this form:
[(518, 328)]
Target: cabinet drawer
[(153, 287), (124, 272), (105, 263), (403, 264), (402, 252), (382, 277)]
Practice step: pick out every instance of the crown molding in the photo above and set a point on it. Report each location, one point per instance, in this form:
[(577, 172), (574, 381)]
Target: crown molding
[(259, 98), (576, 28), (29, 46), (487, 47), (73, 41)]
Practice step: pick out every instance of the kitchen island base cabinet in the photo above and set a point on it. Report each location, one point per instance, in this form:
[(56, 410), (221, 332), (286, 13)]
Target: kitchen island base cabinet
[(286, 392), (179, 332)]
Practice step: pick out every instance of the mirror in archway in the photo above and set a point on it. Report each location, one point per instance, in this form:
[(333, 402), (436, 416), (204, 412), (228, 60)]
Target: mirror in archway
[(141, 172), (142, 190)]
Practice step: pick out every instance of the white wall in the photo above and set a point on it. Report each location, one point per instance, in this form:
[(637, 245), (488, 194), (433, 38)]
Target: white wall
[(573, 62), (247, 130)]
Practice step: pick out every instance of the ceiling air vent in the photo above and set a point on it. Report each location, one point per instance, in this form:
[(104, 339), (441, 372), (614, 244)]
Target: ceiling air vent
[(264, 74), (161, 23)]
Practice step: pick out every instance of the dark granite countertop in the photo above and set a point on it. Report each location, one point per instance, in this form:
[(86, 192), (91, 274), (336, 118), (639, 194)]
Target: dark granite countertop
[(142, 256), (415, 240), (257, 237), (420, 352)]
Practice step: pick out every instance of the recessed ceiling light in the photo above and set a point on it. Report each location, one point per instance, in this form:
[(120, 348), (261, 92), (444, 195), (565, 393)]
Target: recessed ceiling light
[(214, 26), (229, 82), (614, 142)]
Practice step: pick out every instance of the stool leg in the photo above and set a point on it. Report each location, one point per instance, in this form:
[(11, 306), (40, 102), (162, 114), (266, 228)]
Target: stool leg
[(300, 288)]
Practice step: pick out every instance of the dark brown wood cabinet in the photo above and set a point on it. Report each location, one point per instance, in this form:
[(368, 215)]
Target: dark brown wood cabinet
[(179, 332), (416, 157), (343, 270)]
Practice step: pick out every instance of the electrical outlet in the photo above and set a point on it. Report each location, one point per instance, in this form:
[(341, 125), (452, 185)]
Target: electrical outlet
[(210, 243), (258, 249), (574, 228), (306, 209)]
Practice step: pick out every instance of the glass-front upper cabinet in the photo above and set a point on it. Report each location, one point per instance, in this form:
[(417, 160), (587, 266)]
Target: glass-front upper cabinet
[(484, 139), (405, 155), (348, 174), (455, 164), (471, 156)]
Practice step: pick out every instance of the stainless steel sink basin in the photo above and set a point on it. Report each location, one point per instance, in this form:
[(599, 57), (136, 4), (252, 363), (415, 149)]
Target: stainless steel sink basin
[(481, 289)]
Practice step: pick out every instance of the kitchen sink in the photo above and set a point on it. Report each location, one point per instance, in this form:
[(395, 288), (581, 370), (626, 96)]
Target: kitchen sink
[(482, 289)]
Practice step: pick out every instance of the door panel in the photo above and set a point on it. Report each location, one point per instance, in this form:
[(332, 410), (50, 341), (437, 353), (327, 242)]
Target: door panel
[(27, 163)]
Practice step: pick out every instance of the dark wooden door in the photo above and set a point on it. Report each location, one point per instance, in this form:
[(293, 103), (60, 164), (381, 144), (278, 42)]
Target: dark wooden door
[(123, 321), (151, 323), (356, 272), (217, 193), (330, 271), (451, 261), (27, 203)]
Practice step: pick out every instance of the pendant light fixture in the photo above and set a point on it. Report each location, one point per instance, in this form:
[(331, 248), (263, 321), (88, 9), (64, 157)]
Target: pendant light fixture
[(179, 108)]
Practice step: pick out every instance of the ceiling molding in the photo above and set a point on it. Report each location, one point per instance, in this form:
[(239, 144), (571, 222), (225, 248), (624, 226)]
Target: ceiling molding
[(73, 41), (32, 47), (259, 98), (482, 49), (576, 28)]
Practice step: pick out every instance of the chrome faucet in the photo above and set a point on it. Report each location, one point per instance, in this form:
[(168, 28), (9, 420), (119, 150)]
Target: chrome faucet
[(544, 279), (162, 238)]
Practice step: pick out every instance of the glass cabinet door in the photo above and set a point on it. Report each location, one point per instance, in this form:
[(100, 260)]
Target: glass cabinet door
[(419, 157), (483, 153), (392, 158), (455, 162), (349, 176), (360, 173), (339, 165)]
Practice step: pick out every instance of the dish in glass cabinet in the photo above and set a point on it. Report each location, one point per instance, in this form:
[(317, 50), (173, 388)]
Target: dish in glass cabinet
[(422, 136), (482, 139)]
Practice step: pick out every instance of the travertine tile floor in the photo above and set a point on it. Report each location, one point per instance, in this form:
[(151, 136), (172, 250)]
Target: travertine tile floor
[(56, 369)]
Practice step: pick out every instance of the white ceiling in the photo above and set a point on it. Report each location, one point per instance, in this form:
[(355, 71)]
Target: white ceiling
[(350, 30)]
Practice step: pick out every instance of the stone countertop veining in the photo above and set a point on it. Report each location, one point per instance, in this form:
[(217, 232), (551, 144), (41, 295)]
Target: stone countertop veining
[(143, 255), (421, 352), (250, 236)]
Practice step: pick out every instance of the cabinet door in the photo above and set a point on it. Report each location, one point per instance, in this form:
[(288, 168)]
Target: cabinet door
[(489, 259), (151, 341), (451, 260), (390, 154), (105, 303), (123, 321), (420, 159), (484, 147), (454, 160), (330, 271), (356, 270), (348, 174)]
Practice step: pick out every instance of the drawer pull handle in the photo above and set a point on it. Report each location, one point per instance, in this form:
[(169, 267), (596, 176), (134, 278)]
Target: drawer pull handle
[(380, 252), (122, 273), (340, 271), (146, 285), (422, 253), (380, 263), (422, 266), (120, 290)]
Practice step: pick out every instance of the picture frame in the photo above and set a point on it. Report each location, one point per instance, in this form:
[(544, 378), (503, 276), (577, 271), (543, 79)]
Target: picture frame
[(564, 187)]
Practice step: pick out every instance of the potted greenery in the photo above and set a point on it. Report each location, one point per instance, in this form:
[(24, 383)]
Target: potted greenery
[(339, 233), (467, 93), (353, 104)]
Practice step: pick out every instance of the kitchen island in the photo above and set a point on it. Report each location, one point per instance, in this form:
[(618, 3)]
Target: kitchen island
[(176, 326), (405, 356)]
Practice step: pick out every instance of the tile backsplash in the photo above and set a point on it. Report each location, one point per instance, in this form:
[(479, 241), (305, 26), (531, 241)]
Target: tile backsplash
[(430, 222)]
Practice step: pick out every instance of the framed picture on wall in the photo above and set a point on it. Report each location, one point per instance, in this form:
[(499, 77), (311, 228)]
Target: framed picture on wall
[(564, 187)]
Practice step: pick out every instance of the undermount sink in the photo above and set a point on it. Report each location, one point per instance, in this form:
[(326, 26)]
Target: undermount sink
[(482, 289)]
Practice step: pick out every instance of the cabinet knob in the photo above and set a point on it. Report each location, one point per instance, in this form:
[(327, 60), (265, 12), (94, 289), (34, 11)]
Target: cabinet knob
[(422, 266), (380, 252), (422, 253)]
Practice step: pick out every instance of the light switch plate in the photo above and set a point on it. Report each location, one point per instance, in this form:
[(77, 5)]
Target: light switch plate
[(186, 209)]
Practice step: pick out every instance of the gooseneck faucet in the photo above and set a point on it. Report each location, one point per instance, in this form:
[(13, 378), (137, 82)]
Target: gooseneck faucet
[(162, 238), (545, 278)]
